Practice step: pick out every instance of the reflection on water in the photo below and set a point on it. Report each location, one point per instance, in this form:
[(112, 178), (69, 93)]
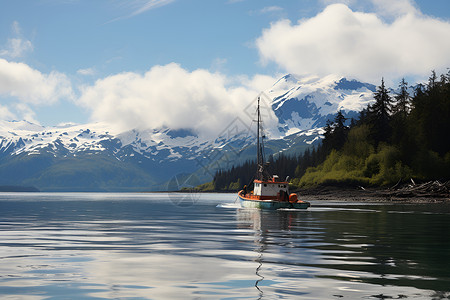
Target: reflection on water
[(365, 251), (122, 246)]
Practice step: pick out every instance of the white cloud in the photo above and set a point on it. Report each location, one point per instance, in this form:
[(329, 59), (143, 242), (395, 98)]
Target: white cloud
[(358, 44), (386, 8), (6, 114), (145, 5), (86, 72), (31, 86), (26, 113), (258, 82), (16, 28), (138, 7), (17, 46), (346, 2), (395, 8), (219, 64), (170, 96), (270, 9)]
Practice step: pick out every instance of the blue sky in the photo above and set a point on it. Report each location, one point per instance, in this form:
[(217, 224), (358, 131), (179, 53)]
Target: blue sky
[(107, 36), (74, 61)]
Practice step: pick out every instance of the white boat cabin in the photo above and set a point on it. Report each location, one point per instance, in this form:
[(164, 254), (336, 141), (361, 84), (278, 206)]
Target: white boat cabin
[(270, 188)]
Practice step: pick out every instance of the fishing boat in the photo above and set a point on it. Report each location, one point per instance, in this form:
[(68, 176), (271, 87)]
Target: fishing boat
[(269, 192)]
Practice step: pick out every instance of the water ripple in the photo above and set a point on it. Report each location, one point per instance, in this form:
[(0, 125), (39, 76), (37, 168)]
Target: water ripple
[(91, 246)]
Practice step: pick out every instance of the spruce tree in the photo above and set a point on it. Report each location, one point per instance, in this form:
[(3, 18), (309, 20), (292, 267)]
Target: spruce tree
[(432, 81), (378, 115), (327, 142), (402, 105), (340, 131), (400, 112)]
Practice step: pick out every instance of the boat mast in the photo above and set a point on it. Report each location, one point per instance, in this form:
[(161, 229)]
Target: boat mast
[(260, 154)]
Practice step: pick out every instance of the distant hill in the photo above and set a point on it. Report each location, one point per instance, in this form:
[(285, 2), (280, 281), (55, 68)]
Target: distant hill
[(11, 188)]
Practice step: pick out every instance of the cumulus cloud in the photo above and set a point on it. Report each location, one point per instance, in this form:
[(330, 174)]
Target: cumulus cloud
[(358, 44), (396, 8), (386, 8), (170, 96), (31, 86)]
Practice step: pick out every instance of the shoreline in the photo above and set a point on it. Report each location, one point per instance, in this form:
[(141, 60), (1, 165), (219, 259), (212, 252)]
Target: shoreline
[(340, 193), (429, 192), (369, 195)]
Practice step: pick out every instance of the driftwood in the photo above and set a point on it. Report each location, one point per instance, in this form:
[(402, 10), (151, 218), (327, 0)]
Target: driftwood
[(427, 190)]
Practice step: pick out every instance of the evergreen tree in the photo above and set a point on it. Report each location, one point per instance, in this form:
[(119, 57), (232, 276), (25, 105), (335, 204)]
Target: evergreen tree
[(418, 91), (378, 115), (432, 81), (413, 132), (340, 131), (335, 133), (436, 119), (402, 105), (327, 143), (362, 119), (401, 109)]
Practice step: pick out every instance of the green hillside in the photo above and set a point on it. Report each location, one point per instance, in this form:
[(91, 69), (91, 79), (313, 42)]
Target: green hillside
[(397, 138)]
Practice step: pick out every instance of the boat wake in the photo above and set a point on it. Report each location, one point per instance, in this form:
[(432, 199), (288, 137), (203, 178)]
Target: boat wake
[(229, 205), (290, 209)]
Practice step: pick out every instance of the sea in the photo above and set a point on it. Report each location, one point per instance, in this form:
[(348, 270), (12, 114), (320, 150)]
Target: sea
[(204, 246)]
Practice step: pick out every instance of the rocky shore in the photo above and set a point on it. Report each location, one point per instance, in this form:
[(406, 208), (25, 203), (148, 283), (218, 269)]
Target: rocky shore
[(428, 192)]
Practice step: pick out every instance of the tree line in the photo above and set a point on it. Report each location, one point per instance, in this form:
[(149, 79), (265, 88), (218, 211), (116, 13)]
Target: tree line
[(236, 177), (399, 136)]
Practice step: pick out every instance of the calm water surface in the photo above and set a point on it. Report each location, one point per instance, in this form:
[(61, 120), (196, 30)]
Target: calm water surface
[(160, 246)]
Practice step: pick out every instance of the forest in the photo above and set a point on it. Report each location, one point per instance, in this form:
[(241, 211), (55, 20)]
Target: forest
[(399, 137)]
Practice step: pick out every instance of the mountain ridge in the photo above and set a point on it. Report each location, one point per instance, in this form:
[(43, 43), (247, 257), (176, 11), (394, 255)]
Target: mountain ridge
[(94, 157)]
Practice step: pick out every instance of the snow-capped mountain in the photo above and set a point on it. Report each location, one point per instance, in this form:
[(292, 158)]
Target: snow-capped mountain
[(158, 145), (95, 157), (307, 103)]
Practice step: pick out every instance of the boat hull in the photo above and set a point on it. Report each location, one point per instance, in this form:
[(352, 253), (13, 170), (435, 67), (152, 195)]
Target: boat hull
[(271, 204)]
